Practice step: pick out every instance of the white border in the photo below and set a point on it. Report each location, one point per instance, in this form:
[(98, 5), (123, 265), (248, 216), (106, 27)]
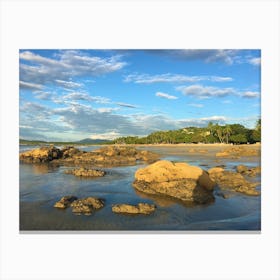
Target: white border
[(139, 24)]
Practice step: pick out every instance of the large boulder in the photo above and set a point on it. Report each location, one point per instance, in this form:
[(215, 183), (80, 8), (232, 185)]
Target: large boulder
[(42, 154), (85, 172), (141, 208), (177, 180)]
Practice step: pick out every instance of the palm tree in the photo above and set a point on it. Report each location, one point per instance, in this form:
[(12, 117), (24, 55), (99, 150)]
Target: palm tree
[(227, 131)]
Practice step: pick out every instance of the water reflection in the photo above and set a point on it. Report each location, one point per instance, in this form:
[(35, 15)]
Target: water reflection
[(40, 169)]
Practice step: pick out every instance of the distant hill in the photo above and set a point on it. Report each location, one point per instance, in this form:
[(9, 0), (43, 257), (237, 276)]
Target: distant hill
[(92, 141)]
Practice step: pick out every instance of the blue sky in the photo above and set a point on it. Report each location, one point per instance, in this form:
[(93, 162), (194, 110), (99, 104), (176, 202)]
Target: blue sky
[(68, 95)]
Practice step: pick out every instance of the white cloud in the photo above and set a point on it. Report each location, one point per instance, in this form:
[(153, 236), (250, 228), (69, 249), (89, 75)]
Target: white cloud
[(197, 105), (208, 56), (255, 61), (30, 86), (68, 84), (250, 94), (110, 135), (200, 91), (86, 97), (172, 78), (66, 65), (165, 95)]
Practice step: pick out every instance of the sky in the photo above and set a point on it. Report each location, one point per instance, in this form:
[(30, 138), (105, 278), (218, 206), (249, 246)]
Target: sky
[(69, 95)]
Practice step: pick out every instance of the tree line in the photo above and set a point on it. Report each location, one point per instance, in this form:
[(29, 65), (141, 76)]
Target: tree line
[(213, 133)]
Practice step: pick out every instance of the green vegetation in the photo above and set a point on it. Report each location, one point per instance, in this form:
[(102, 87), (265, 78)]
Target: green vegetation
[(213, 133)]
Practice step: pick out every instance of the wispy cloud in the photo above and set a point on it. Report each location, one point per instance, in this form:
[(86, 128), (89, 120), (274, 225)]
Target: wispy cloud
[(86, 97), (172, 78), (208, 56), (200, 91), (197, 105), (165, 95), (29, 86), (68, 84), (126, 105), (66, 65)]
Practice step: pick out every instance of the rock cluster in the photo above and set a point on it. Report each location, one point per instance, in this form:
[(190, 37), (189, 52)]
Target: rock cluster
[(80, 206), (141, 208), (237, 152), (252, 172), (228, 180), (176, 180), (105, 156), (85, 172)]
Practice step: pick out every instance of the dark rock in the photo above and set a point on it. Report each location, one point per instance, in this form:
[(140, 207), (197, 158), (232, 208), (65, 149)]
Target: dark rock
[(86, 205), (65, 201)]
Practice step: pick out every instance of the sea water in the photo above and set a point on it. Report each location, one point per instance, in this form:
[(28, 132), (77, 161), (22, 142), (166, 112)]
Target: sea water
[(41, 185)]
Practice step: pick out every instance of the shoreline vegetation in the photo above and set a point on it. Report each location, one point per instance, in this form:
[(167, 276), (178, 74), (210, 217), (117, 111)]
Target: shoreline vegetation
[(213, 134)]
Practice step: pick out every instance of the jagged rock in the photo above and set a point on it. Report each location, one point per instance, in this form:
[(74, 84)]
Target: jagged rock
[(141, 208), (43, 154), (234, 181), (65, 201), (86, 205), (84, 172), (177, 180), (70, 151), (254, 171)]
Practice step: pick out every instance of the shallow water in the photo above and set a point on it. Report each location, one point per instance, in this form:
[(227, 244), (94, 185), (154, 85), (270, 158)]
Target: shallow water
[(42, 185)]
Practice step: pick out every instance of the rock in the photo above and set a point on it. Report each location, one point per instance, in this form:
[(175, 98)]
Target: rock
[(141, 208), (43, 154), (254, 171), (215, 170), (84, 172), (86, 205), (70, 151), (65, 201), (177, 180), (238, 151), (228, 180)]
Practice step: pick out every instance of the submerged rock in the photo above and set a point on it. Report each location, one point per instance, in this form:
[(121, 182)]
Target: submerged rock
[(253, 171), (84, 172), (177, 180), (65, 201), (237, 152), (141, 208), (86, 205), (42, 154)]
